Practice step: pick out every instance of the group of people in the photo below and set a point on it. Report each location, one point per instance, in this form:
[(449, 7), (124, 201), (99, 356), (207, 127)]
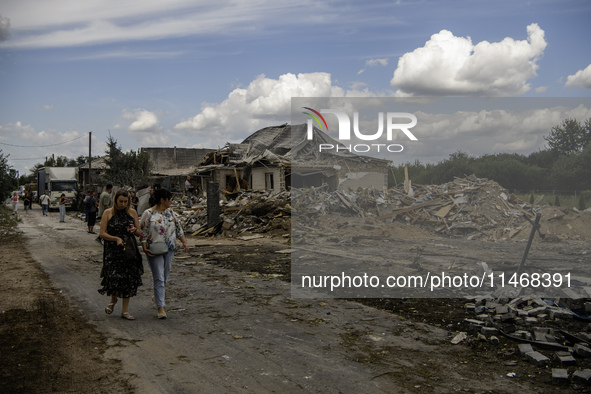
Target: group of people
[(158, 230), (27, 201), (43, 200)]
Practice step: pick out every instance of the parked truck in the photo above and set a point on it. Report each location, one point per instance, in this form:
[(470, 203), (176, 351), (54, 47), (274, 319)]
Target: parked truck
[(57, 180)]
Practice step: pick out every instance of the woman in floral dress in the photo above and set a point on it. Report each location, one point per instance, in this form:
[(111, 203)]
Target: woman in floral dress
[(160, 225), (121, 275)]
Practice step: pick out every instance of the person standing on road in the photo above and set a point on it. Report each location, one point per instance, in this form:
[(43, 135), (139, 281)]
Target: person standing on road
[(62, 208), (44, 200), (105, 201), (86, 205), (92, 204), (189, 190), (121, 275), (160, 230), (14, 203), (27, 200), (152, 200), (135, 201), (104, 204)]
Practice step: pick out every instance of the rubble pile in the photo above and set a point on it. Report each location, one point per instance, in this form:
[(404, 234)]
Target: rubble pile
[(540, 330), (468, 208), (255, 212), (471, 208)]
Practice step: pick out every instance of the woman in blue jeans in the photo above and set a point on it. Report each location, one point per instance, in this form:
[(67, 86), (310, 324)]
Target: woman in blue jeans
[(160, 230)]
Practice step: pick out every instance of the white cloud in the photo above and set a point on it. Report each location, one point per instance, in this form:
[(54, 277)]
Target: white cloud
[(27, 143), (581, 78), (376, 62), (4, 28), (541, 89), (261, 103), (63, 23), (450, 65), (143, 120), (145, 128), (48, 107), (486, 132), (373, 63)]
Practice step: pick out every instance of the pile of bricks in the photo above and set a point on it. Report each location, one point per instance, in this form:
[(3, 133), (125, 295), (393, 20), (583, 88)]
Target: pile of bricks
[(530, 323)]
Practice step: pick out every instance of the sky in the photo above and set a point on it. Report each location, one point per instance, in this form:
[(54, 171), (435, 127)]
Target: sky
[(200, 74)]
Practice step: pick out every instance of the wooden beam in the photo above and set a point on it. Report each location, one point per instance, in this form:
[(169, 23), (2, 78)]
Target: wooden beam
[(411, 208)]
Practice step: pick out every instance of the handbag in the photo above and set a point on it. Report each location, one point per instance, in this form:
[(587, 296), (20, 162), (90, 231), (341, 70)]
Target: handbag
[(130, 249), (158, 248)]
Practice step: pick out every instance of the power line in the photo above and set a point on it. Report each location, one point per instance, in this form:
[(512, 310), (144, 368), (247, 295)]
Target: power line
[(43, 146), (31, 158)]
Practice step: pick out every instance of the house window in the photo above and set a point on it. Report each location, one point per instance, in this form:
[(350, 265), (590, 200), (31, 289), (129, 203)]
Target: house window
[(269, 185)]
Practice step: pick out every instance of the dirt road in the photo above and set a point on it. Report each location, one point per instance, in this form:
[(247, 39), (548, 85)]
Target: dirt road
[(231, 331)]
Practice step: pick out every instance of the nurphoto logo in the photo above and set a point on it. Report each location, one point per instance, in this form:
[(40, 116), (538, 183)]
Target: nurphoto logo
[(392, 125)]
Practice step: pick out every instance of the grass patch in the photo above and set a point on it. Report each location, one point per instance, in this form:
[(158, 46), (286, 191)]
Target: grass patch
[(564, 200), (8, 222)]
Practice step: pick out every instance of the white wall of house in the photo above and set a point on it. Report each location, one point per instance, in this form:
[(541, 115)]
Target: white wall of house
[(264, 178)]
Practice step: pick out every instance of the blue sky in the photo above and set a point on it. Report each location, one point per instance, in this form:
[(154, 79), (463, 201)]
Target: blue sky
[(200, 74)]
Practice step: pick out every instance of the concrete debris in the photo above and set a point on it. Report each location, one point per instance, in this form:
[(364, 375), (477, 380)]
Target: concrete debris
[(560, 376), (459, 338), (582, 376), (530, 322), (469, 208), (537, 359), (565, 358), (255, 212)]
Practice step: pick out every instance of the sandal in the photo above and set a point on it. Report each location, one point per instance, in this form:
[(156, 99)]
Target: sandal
[(127, 316), (109, 308)]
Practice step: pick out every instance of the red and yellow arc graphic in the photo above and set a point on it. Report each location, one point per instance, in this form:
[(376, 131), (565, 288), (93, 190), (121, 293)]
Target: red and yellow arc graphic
[(316, 117)]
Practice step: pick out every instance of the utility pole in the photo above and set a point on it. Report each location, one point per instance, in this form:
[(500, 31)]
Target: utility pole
[(89, 155)]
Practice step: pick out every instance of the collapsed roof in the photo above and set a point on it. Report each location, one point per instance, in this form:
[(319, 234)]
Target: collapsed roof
[(284, 144)]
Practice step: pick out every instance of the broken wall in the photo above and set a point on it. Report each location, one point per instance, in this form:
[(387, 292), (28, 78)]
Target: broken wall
[(267, 178), (170, 158), (363, 179)]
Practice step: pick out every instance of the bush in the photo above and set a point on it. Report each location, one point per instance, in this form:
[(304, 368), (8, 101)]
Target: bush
[(582, 203)]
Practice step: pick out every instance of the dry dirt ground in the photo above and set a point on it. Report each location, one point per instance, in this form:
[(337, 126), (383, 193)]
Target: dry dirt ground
[(45, 345), (234, 328)]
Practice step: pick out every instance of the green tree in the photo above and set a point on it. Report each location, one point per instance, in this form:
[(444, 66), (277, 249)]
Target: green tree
[(569, 137), (459, 164), (126, 169), (543, 158), (7, 177), (572, 172)]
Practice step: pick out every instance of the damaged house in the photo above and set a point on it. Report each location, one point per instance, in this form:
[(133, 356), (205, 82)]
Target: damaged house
[(170, 166), (279, 157)]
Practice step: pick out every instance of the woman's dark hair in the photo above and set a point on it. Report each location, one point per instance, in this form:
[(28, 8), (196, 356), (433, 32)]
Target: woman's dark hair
[(120, 193), (162, 193)]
